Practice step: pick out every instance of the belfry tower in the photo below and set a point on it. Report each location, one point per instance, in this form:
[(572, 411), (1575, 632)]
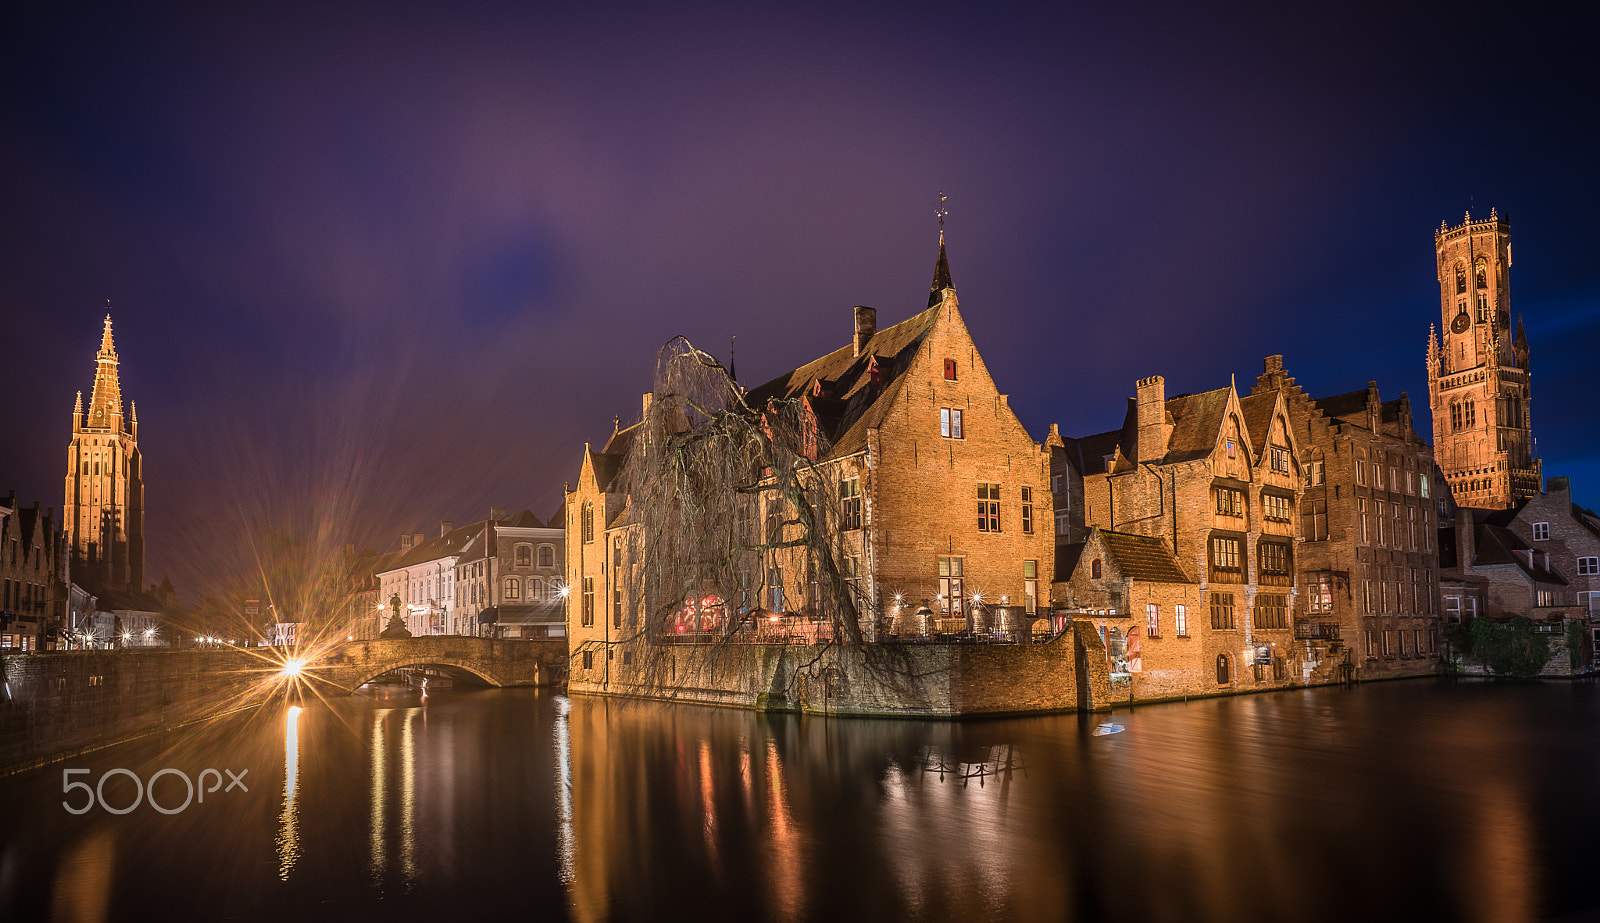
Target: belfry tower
[(1477, 372), (104, 509)]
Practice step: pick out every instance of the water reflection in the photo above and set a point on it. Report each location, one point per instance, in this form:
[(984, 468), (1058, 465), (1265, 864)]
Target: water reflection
[(1395, 801), (288, 829)]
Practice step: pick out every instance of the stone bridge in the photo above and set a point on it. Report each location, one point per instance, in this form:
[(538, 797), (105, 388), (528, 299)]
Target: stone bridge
[(495, 662), (55, 704)]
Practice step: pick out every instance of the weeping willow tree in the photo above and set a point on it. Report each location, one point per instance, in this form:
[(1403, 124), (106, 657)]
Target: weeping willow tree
[(727, 501)]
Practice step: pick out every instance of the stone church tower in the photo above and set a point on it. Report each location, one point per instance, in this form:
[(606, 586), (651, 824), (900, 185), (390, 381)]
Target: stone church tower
[(1477, 372), (104, 510)]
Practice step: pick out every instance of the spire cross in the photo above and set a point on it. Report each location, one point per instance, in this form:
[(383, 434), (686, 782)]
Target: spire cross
[(940, 212)]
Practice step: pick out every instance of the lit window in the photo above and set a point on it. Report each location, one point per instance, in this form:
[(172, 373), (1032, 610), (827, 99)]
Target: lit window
[(524, 556), (952, 590), (850, 504), (513, 588), (988, 507), (1030, 586), (950, 423)]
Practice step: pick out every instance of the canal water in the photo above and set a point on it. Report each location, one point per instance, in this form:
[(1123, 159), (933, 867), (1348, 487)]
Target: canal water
[(1414, 800)]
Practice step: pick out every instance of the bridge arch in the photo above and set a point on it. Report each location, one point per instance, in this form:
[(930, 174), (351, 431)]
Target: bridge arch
[(495, 662), (435, 662)]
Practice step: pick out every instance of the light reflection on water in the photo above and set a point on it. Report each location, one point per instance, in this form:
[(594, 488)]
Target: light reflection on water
[(288, 835), (1392, 801)]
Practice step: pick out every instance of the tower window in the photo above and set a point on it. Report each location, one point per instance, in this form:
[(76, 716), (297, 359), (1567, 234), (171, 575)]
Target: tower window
[(1461, 278), (1483, 275)]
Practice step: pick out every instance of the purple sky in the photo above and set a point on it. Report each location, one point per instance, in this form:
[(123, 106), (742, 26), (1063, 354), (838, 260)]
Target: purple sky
[(376, 266)]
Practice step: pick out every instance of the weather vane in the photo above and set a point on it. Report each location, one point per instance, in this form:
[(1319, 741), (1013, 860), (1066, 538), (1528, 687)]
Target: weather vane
[(941, 211)]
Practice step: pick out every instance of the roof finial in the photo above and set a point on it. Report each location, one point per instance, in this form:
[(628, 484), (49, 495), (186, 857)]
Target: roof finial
[(732, 374), (941, 211)]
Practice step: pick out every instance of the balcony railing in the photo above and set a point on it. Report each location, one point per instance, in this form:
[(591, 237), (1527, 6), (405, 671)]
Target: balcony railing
[(1316, 631)]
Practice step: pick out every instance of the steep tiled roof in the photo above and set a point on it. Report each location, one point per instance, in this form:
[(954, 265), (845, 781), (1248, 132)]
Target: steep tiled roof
[(1196, 419), (523, 520), (606, 465), (451, 543), (1142, 557), (1258, 417), (861, 405), (1092, 450), (1499, 545), (1343, 405)]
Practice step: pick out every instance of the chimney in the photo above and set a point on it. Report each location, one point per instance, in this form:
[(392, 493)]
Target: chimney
[(1466, 541), (497, 513), (1560, 489), (1272, 364), (417, 538), (405, 541), (445, 527), (1154, 430), (866, 326)]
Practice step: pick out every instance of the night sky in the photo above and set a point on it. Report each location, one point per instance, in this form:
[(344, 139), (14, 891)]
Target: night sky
[(375, 266)]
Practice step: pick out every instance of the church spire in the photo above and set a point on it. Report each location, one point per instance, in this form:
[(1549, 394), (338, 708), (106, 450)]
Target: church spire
[(941, 269), (105, 401)]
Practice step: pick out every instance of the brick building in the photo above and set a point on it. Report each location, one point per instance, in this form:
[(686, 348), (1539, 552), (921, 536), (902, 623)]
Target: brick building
[(1478, 374), (103, 514), (1368, 558), (1212, 483), (32, 578), (1539, 558), (946, 513)]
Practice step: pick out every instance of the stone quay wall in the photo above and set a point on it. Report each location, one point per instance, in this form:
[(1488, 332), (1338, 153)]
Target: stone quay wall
[(59, 704), (892, 680)]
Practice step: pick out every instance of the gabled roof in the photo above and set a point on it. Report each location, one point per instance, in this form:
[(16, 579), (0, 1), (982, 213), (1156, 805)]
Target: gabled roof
[(1496, 545), (1142, 557), (1196, 422), (450, 544), (1092, 450), (852, 403), (1339, 406), (523, 520), (1258, 410)]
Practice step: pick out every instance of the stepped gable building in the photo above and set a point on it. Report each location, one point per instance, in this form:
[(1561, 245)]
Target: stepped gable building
[(32, 579), (944, 492), (1368, 563), (103, 514), (1478, 374), (1206, 489)]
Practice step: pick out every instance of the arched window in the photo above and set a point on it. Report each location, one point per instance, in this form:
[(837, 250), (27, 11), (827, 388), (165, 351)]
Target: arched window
[(547, 556), (587, 522), (1223, 674), (535, 588), (513, 588), (1483, 274), (1469, 414), (1455, 415), (1094, 569), (524, 555), (1461, 278)]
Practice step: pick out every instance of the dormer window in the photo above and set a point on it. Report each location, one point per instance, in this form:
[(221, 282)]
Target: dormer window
[(949, 370)]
